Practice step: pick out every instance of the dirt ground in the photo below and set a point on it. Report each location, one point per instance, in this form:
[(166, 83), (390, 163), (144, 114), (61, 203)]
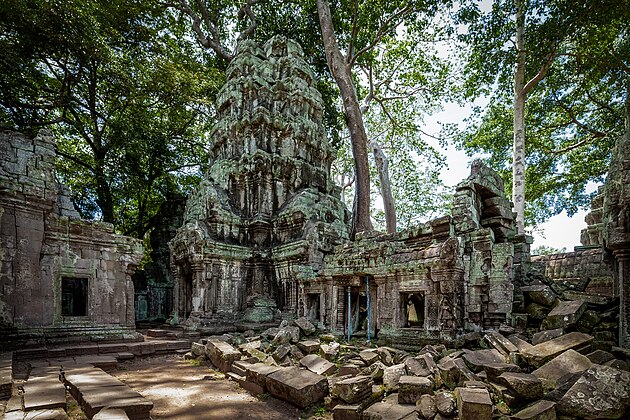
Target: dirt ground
[(184, 389)]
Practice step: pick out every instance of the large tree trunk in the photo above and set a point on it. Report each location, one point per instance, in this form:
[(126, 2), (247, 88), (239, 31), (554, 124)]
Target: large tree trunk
[(518, 151), (382, 166), (341, 71), (104, 195)]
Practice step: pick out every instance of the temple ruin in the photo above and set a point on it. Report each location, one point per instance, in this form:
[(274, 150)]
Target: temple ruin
[(62, 278)]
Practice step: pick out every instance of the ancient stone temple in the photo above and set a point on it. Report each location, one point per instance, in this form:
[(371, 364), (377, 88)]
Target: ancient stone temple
[(433, 280), (60, 277), (267, 210)]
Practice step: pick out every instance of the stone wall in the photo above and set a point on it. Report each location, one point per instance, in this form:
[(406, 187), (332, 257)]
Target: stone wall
[(59, 275)]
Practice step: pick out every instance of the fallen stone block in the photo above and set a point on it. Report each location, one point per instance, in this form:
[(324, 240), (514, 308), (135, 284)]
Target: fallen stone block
[(45, 392), (476, 360), (542, 353), (445, 403), (540, 410), (346, 412), (500, 343), (567, 363), (134, 404), (411, 388), (309, 346), (330, 351), (305, 326), (48, 414), (565, 315), (112, 348), (601, 392), (222, 354), (426, 406), (198, 349), (257, 373), (417, 366), (600, 357), (546, 335), (525, 385), (111, 414), (318, 365), (474, 403), (391, 376), (369, 356), (494, 370), (298, 386), (540, 294), (389, 409), (6, 380), (353, 390), (349, 369)]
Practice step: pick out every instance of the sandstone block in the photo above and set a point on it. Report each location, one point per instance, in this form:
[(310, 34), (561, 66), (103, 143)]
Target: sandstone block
[(567, 363), (539, 294), (426, 406), (391, 376), (308, 346), (352, 390), (318, 365), (389, 409), (546, 335), (541, 353), (525, 385), (474, 403), (540, 410), (305, 326), (477, 359), (565, 315), (298, 386), (445, 403), (369, 356), (257, 373), (411, 388), (222, 354)]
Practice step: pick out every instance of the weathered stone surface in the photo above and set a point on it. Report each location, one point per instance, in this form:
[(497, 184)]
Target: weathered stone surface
[(426, 406), (352, 390), (298, 386), (369, 356), (389, 409), (473, 403), (349, 369), (198, 349), (546, 335), (445, 403), (309, 346), (318, 365), (286, 335), (500, 343), (525, 385), (410, 388), (540, 294), (601, 392), (417, 366), (305, 326), (567, 363), (476, 360), (281, 352), (600, 357), (494, 370), (221, 354), (392, 375), (330, 351), (111, 414), (48, 414), (44, 390), (257, 373), (546, 351), (565, 315), (540, 410)]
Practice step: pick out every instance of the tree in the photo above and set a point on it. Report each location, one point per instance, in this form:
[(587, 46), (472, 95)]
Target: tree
[(572, 114), (120, 91)]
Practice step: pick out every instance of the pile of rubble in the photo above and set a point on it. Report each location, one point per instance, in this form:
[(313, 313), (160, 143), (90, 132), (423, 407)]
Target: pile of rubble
[(505, 376)]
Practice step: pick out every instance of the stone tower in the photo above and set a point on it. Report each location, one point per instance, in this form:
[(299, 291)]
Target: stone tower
[(267, 209)]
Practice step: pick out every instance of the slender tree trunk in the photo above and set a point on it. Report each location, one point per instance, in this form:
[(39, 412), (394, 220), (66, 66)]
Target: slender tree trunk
[(518, 151), (104, 194), (382, 166), (341, 71)]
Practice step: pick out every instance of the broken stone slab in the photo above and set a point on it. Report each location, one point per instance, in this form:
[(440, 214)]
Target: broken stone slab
[(318, 365), (540, 294), (305, 326), (494, 370), (426, 406), (257, 373), (385, 355), (601, 392), (524, 385), (454, 372), (377, 370), (349, 369), (352, 390), (389, 409), (500, 343), (473, 403), (369, 356), (567, 363), (540, 410), (391, 376), (445, 403), (281, 352), (546, 335), (135, 405), (417, 366), (565, 315), (542, 353), (222, 354), (257, 354), (44, 392), (198, 349), (286, 335), (520, 344), (48, 414), (600, 357), (477, 359), (410, 388), (330, 351), (6, 380), (111, 414), (309, 346), (298, 386)]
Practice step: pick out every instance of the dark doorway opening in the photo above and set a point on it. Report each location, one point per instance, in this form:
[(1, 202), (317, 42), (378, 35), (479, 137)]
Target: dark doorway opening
[(74, 296), (312, 306), (413, 309)]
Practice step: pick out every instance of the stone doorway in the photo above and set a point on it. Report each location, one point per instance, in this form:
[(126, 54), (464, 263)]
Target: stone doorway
[(412, 309), (74, 297)]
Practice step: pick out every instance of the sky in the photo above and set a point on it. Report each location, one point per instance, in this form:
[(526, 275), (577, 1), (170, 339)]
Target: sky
[(558, 232)]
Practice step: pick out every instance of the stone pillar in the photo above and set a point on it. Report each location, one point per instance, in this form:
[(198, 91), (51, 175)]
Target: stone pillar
[(623, 287)]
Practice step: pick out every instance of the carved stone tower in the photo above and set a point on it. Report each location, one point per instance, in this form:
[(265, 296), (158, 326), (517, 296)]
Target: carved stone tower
[(267, 208)]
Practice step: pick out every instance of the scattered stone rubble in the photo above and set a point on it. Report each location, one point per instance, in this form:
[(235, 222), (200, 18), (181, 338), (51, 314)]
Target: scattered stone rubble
[(492, 375)]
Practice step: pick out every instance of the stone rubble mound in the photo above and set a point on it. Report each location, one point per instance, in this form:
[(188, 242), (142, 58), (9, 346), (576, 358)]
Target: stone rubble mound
[(480, 376)]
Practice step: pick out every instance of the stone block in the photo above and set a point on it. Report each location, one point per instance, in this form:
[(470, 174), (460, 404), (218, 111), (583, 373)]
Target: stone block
[(318, 365), (525, 385), (111, 414), (44, 392), (539, 294), (369, 356), (474, 403), (353, 390), (445, 403), (565, 315), (477, 359), (540, 410), (389, 409), (305, 326), (48, 414), (546, 335), (298, 386), (567, 363), (257, 373), (391, 376), (309, 346), (601, 392), (411, 388), (494, 370), (541, 353), (222, 354), (198, 349), (426, 406), (600, 357), (500, 343)]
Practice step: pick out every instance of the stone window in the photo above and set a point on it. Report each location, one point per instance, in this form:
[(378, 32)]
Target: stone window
[(412, 309), (74, 296), (312, 306)]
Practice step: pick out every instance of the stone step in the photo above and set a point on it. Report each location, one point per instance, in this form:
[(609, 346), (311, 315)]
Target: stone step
[(44, 390), (6, 375)]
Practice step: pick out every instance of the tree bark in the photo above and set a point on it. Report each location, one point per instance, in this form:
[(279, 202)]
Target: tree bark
[(341, 71), (382, 166), (520, 96)]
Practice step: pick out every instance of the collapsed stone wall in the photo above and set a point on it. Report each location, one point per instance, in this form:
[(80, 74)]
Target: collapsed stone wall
[(46, 246)]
